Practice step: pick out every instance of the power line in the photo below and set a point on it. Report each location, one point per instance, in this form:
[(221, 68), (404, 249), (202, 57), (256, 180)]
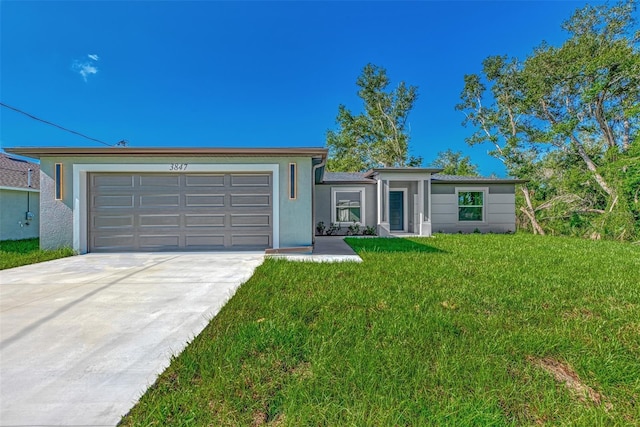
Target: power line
[(55, 125)]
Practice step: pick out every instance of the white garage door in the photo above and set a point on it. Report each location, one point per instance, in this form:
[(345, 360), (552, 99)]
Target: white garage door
[(152, 212)]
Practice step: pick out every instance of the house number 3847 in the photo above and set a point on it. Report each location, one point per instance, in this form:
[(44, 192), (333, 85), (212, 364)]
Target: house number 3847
[(178, 166)]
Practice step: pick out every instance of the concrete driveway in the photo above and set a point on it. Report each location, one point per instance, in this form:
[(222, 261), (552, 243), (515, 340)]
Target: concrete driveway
[(82, 338)]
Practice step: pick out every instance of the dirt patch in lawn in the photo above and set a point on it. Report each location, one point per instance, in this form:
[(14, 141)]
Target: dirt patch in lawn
[(563, 373)]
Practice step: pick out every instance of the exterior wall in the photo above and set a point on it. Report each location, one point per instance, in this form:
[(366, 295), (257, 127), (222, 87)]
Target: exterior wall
[(324, 203), (499, 209), (57, 229), (13, 222)]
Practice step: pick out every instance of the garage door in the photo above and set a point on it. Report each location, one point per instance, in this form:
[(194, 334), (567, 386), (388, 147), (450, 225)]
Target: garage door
[(151, 212)]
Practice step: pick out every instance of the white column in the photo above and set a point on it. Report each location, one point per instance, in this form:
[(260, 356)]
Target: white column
[(420, 206)]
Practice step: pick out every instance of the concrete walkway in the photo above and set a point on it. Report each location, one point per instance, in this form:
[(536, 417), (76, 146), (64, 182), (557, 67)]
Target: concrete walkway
[(325, 249), (82, 338)]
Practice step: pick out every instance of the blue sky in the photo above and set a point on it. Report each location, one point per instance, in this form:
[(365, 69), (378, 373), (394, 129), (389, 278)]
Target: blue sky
[(248, 74)]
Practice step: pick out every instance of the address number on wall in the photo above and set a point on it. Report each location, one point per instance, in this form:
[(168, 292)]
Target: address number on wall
[(178, 166)]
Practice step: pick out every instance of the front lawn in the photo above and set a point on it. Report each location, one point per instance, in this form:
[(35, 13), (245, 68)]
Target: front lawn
[(450, 330), (14, 253)]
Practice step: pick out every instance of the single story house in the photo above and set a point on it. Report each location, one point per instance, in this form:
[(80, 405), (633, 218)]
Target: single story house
[(19, 198), (149, 199)]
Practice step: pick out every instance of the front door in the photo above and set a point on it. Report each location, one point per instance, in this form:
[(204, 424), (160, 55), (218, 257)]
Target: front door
[(396, 210)]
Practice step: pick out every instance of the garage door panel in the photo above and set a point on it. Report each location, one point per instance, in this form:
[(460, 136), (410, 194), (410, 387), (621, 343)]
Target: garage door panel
[(109, 202), (115, 181), (211, 220), (112, 221), (159, 180), (252, 240), (159, 241), (212, 241), (160, 220), (159, 200), (131, 212), (114, 241), (257, 200), (204, 180), (250, 220), (246, 180), (205, 200)]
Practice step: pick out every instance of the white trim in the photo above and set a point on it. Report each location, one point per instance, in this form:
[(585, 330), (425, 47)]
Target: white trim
[(405, 210), (485, 191), (80, 171), (379, 201), (335, 190), (30, 190), (421, 216)]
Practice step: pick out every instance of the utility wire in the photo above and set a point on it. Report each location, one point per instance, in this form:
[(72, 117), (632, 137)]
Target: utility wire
[(55, 125)]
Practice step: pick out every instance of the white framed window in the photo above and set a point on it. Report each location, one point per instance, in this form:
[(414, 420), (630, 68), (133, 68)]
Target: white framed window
[(471, 204), (347, 205)]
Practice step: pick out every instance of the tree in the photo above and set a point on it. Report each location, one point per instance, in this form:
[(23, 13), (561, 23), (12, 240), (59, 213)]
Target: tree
[(379, 136), (581, 99), (454, 163)]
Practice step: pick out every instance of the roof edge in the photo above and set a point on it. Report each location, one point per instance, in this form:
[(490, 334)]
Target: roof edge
[(403, 170), (480, 181), (37, 152), (28, 189)]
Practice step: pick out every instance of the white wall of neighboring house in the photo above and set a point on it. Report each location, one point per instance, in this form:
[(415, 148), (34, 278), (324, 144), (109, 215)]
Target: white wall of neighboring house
[(13, 210)]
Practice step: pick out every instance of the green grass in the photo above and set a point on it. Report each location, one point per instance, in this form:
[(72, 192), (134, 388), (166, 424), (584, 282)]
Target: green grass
[(14, 253), (450, 330)]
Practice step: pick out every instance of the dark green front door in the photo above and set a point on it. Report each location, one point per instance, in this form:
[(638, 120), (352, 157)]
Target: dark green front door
[(396, 210)]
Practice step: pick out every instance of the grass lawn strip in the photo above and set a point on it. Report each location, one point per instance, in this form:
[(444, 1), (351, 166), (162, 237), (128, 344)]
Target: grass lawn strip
[(450, 330), (14, 253)]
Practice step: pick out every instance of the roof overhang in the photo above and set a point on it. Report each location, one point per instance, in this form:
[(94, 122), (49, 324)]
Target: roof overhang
[(27, 189), (479, 181), (38, 152), (376, 171)]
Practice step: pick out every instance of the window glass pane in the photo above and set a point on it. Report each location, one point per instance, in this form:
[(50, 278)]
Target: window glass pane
[(470, 205), (470, 198), (292, 180), (470, 214), (348, 206), (58, 181)]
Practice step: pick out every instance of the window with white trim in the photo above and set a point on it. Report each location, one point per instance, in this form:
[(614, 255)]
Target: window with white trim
[(347, 205), (471, 204)]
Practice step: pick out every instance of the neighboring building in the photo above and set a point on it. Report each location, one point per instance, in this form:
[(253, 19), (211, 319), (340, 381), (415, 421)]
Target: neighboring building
[(148, 199), (19, 198)]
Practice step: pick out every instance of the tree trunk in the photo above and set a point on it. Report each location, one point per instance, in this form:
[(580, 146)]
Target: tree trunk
[(530, 212), (592, 167)]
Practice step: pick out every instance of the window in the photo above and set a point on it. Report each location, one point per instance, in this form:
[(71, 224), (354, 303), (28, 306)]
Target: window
[(292, 181), (58, 181), (470, 205), (348, 205)]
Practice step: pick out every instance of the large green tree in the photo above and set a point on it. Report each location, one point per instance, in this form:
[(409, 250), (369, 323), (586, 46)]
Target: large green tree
[(455, 163), (581, 100), (379, 136)]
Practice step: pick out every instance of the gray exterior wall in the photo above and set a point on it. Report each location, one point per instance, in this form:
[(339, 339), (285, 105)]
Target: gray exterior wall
[(13, 223), (324, 204), (295, 219), (499, 209)]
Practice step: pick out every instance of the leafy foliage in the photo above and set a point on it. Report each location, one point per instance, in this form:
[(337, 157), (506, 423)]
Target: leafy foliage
[(564, 118), (454, 163), (379, 136)]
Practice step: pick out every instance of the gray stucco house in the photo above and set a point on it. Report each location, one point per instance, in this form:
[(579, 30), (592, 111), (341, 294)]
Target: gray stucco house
[(19, 198), (147, 199)]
